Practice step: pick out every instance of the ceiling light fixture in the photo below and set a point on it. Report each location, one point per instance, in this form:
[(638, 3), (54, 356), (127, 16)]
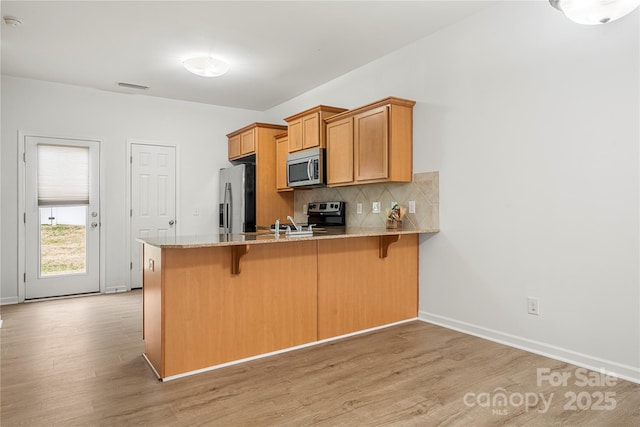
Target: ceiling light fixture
[(593, 12), (206, 66)]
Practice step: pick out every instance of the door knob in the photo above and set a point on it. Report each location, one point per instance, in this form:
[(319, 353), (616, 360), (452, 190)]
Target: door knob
[(172, 222)]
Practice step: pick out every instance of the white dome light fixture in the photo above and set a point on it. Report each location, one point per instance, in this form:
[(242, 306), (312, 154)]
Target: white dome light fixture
[(593, 12), (206, 66)]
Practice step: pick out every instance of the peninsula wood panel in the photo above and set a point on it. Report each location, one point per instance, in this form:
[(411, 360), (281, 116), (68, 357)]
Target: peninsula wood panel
[(359, 290), (212, 316), (152, 305)]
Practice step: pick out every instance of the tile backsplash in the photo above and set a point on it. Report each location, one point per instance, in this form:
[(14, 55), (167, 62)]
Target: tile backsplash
[(423, 189)]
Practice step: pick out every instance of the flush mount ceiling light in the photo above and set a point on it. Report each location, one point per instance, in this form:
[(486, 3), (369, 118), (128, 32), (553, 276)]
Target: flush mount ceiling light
[(206, 66), (593, 12)]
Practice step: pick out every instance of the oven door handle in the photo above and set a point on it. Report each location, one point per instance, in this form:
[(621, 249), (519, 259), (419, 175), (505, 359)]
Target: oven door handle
[(309, 169)]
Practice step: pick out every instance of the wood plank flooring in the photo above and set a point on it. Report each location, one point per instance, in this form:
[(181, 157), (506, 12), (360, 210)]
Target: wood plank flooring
[(78, 362)]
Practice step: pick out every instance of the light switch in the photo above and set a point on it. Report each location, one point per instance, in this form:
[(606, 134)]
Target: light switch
[(359, 208), (412, 206), (375, 208)]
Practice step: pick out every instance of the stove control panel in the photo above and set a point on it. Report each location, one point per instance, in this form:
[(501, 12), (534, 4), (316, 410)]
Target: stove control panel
[(325, 207)]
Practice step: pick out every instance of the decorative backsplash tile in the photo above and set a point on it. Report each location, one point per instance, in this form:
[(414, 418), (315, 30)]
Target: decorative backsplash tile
[(424, 190)]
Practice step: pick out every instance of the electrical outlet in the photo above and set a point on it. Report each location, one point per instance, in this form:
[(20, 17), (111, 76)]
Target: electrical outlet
[(532, 306), (412, 206), (359, 208), (375, 208)]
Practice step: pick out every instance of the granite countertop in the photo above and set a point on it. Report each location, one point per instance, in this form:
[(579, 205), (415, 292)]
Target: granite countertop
[(264, 236)]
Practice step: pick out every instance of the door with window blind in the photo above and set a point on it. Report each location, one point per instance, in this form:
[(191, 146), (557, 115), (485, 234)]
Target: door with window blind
[(62, 217)]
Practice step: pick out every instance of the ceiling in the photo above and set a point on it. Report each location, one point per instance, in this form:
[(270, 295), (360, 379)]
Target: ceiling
[(277, 50)]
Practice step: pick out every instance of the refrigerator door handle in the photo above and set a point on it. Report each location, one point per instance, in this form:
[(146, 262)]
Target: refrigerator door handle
[(227, 201)]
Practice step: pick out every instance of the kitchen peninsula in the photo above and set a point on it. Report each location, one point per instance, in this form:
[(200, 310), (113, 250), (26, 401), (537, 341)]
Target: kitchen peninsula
[(210, 300)]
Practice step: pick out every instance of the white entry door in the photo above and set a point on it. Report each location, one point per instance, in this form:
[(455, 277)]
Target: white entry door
[(62, 216), (153, 199)]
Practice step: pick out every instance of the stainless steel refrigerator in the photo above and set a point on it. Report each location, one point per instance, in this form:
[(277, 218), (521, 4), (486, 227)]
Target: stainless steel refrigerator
[(237, 199)]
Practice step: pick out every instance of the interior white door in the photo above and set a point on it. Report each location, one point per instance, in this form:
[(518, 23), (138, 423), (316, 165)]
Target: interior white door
[(62, 216), (153, 199)]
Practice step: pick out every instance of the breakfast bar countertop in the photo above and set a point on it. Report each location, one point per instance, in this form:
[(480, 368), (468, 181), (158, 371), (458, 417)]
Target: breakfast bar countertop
[(264, 236)]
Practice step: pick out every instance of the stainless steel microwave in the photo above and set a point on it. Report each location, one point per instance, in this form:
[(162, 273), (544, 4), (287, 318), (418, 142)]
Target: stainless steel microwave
[(306, 168)]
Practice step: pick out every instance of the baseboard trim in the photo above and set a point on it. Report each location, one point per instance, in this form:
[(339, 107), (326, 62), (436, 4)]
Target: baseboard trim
[(618, 370), (116, 289), (273, 353), (9, 300)]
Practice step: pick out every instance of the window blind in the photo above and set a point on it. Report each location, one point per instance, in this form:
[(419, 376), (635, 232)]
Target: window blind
[(63, 175)]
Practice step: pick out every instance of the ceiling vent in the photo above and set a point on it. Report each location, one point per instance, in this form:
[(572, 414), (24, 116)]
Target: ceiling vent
[(133, 86)]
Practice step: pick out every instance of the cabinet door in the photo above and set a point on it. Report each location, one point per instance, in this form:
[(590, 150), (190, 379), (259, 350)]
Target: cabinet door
[(248, 142), (295, 135), (340, 152), (234, 147), (371, 144), (282, 149), (311, 130)]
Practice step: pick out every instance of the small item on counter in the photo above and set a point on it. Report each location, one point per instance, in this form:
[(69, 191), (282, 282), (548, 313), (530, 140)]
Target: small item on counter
[(394, 216)]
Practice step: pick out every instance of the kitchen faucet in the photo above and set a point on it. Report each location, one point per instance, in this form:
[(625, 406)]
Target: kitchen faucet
[(298, 228)]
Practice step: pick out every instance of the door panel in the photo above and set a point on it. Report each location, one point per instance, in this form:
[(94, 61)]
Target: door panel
[(62, 242), (371, 144), (153, 199)]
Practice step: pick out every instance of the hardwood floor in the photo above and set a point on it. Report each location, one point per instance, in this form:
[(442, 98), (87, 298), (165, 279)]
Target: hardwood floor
[(78, 362)]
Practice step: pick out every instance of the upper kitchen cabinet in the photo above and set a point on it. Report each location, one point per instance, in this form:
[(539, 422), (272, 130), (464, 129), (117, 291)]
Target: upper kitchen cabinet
[(243, 142), (257, 143), (282, 149), (307, 129), (373, 143)]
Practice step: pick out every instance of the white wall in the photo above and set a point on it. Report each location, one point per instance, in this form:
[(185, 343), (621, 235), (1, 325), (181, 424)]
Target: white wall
[(532, 121), (61, 110)]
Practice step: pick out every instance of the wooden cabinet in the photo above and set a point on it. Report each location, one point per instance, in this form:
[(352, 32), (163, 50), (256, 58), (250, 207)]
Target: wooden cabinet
[(242, 144), (380, 139), (234, 147), (257, 143), (340, 151), (307, 129), (282, 149)]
